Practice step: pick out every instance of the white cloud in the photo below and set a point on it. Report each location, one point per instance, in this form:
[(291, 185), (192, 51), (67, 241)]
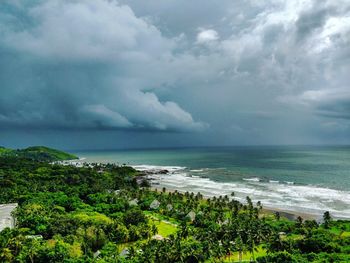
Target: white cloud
[(207, 35), (145, 109), (101, 30)]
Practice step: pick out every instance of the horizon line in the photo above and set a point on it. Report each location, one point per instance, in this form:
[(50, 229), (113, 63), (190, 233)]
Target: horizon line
[(207, 146)]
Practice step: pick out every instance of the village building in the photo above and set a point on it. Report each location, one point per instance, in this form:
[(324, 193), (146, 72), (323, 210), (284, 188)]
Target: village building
[(133, 202), (6, 218), (169, 207), (191, 216), (155, 204)]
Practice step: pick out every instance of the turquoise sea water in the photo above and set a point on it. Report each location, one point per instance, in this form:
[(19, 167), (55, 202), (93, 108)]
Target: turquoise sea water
[(308, 179)]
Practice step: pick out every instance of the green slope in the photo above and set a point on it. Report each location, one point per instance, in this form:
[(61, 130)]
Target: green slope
[(39, 153), (4, 150)]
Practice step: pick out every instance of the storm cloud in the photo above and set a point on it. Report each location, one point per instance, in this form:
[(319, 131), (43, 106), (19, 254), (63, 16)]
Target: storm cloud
[(238, 72), (90, 64)]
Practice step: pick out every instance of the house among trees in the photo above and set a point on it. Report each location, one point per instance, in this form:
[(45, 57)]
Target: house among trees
[(6, 219), (124, 252), (155, 204), (133, 202), (169, 207), (158, 237), (97, 254), (191, 216)]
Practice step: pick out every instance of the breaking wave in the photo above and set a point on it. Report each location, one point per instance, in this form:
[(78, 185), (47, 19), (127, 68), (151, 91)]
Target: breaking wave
[(273, 194)]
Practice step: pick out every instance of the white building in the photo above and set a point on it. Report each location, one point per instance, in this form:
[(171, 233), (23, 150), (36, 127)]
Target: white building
[(191, 216), (133, 202), (6, 219), (155, 204)]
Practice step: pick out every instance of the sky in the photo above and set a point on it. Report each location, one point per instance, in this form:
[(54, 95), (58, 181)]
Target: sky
[(101, 74)]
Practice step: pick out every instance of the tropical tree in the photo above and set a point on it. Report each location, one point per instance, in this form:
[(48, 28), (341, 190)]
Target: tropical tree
[(327, 219)]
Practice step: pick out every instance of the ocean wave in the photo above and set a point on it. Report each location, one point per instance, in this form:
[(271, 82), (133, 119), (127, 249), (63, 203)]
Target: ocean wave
[(253, 179), (273, 194), (288, 182), (146, 167), (298, 198), (274, 181)]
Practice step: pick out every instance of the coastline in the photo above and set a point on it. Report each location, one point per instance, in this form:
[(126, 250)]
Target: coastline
[(304, 196), (291, 215), (178, 178)]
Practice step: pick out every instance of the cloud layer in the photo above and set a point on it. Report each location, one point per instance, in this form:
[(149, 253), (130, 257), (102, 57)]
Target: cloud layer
[(239, 72), (85, 64)]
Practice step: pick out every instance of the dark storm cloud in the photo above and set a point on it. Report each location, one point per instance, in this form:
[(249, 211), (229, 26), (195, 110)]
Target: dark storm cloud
[(87, 65), (236, 72), (338, 109), (310, 21), (331, 103)]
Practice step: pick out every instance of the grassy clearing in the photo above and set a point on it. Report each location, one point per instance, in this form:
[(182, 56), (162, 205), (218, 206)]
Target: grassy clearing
[(345, 235), (165, 229), (166, 226), (155, 216), (341, 229), (247, 256)]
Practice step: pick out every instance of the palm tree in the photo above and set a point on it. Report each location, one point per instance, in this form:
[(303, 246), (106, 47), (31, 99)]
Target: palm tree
[(16, 244), (275, 243), (154, 230), (240, 247), (299, 222), (327, 219), (277, 216), (251, 243), (33, 249), (184, 231), (6, 255)]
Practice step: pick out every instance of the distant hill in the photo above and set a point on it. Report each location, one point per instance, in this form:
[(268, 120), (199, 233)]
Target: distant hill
[(39, 153)]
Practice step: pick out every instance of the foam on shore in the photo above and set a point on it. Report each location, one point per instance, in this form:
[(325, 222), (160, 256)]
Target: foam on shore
[(273, 194), (145, 167)]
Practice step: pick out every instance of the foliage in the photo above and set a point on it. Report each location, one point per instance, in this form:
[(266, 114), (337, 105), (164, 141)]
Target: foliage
[(38, 153), (74, 214)]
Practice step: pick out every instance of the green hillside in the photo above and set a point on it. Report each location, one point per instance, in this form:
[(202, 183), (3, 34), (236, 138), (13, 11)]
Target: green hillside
[(4, 150), (39, 153)]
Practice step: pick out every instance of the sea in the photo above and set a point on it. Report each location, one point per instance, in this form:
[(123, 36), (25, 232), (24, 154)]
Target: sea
[(304, 179)]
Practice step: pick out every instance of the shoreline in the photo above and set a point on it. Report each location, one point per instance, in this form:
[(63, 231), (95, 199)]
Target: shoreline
[(148, 171), (154, 175), (291, 215)]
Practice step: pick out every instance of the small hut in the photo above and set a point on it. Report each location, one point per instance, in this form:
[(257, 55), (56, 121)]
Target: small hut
[(6, 218), (97, 254), (155, 204), (158, 237), (191, 216), (133, 202), (169, 207), (124, 253)]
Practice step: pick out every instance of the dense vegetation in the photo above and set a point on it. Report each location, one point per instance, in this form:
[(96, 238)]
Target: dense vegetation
[(99, 213), (39, 153)]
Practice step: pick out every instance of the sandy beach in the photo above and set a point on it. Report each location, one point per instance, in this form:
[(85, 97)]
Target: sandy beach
[(291, 215)]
